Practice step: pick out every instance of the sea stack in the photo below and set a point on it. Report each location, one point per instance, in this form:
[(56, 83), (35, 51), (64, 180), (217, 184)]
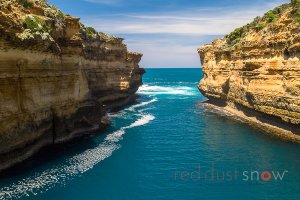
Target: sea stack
[(254, 72), (57, 78)]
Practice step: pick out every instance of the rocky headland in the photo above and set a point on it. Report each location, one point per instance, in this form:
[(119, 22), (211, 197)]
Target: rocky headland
[(254, 72), (58, 78)]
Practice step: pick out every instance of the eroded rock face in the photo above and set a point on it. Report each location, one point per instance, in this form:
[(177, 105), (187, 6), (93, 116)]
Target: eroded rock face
[(259, 69), (57, 85)]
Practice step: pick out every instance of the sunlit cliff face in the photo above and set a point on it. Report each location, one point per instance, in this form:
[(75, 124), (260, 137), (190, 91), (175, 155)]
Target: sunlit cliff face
[(257, 66), (57, 81)]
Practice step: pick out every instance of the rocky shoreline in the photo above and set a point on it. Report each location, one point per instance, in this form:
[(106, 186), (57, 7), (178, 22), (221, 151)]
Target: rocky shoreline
[(254, 72), (265, 123), (58, 78)]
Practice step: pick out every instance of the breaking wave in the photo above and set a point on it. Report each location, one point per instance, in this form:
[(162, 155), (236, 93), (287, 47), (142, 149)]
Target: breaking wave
[(168, 90)]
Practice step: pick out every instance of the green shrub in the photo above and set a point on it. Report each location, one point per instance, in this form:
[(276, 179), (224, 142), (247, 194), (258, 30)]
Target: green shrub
[(53, 12), (34, 27), (270, 16), (280, 9), (260, 23), (30, 3), (296, 10), (106, 36), (34, 24), (56, 15), (274, 14), (260, 27), (295, 3), (255, 22), (43, 2), (26, 3), (91, 32), (297, 17), (103, 35), (235, 36)]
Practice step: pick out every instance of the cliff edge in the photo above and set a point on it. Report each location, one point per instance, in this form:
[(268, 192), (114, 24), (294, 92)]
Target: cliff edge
[(57, 78), (254, 72)]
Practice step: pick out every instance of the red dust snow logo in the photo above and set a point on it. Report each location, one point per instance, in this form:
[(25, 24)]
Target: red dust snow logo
[(214, 174)]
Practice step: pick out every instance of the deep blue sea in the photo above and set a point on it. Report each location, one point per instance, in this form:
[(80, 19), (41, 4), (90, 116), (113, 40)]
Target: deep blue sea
[(165, 146)]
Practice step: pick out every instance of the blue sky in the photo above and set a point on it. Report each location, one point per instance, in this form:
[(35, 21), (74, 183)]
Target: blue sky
[(167, 32)]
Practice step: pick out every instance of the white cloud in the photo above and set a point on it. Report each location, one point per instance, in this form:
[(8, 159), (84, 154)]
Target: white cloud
[(167, 50), (163, 56), (156, 34), (200, 21)]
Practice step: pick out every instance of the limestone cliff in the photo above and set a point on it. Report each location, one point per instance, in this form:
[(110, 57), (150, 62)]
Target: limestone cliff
[(57, 78), (255, 71)]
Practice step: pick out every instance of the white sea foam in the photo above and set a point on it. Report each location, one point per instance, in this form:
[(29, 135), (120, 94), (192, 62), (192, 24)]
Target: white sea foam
[(117, 136), (41, 182), (174, 90), (122, 114), (132, 108), (142, 121), (46, 180), (145, 110)]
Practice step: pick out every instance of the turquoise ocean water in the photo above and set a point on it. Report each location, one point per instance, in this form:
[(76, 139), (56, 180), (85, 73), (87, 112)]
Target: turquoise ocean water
[(165, 146)]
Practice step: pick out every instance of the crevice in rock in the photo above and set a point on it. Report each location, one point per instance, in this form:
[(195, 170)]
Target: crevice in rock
[(286, 54), (53, 126)]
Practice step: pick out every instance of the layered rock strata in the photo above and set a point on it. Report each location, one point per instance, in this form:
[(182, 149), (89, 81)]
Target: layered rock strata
[(57, 78), (254, 72)]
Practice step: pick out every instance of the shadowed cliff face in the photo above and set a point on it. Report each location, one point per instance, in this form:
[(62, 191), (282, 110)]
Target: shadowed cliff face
[(257, 67), (57, 78)]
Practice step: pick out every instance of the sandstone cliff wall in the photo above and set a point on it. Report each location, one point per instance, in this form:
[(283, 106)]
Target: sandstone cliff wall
[(56, 83), (256, 70)]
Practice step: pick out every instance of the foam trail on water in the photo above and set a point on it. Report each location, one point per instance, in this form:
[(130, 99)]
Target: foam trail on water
[(132, 108), (175, 90), (117, 136), (142, 121), (74, 166), (48, 179)]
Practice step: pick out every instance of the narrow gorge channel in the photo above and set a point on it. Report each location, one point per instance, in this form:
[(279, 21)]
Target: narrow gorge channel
[(84, 116)]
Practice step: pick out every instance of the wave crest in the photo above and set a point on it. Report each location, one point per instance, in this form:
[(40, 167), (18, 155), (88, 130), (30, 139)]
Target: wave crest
[(161, 90)]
